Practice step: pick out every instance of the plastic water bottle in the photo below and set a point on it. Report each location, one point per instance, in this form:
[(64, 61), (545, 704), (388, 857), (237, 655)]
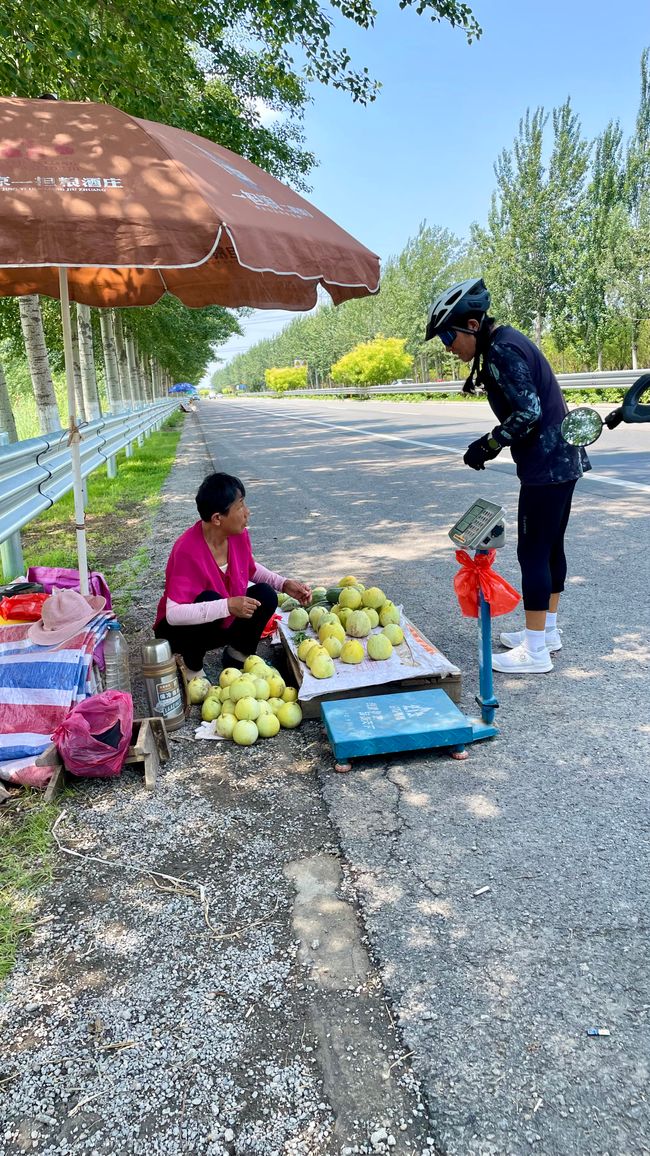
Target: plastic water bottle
[(116, 657)]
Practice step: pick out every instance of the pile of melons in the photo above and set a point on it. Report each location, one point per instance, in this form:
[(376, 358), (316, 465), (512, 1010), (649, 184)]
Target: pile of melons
[(247, 704)]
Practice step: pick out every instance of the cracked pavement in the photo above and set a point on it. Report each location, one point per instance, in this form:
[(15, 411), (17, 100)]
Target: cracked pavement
[(494, 993)]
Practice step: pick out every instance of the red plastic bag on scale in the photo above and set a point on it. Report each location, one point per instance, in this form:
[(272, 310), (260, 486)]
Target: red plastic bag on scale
[(477, 573), (94, 738)]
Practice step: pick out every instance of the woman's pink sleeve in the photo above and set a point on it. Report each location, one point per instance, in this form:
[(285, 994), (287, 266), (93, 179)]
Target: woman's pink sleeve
[(261, 574), (194, 613)]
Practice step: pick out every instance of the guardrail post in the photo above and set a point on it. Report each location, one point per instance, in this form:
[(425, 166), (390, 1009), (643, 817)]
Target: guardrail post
[(11, 550), (111, 467)]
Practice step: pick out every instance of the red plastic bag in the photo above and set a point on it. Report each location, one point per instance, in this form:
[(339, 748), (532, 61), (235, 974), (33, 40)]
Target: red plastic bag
[(22, 607), (271, 626), (477, 573), (94, 738)]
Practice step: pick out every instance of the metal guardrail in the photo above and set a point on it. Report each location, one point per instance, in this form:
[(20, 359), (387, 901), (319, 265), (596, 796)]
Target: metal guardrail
[(614, 379), (35, 473)]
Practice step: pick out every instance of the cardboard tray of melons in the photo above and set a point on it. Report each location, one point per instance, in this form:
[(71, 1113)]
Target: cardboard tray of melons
[(415, 663)]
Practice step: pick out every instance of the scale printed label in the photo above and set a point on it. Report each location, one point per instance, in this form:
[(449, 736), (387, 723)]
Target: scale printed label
[(377, 717)]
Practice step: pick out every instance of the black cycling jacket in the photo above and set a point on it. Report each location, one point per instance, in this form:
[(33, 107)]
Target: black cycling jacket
[(524, 395)]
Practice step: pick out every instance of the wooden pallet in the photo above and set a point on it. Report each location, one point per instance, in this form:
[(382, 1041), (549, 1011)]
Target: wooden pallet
[(450, 683), (149, 748)]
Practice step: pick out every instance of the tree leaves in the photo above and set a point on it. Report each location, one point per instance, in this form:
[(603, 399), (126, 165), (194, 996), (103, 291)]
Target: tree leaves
[(373, 363)]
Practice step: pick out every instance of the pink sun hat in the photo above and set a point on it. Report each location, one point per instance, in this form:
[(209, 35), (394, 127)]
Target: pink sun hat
[(63, 615)]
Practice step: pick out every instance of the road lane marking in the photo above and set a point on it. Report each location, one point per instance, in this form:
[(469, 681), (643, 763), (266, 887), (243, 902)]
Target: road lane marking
[(502, 467)]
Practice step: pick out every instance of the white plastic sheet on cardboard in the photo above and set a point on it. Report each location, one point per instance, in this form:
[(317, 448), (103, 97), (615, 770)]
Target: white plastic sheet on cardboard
[(413, 658)]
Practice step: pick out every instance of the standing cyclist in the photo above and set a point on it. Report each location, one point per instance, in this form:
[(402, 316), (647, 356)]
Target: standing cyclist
[(525, 397)]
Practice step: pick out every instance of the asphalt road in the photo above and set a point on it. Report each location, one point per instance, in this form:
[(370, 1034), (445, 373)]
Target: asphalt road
[(495, 995)]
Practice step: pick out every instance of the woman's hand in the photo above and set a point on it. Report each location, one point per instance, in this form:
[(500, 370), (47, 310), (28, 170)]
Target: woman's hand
[(298, 590), (243, 607)]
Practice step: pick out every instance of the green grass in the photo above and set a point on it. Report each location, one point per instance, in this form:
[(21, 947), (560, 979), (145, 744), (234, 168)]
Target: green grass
[(26, 864), (120, 513)]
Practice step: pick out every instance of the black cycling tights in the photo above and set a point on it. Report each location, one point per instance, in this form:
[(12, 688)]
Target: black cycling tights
[(542, 521)]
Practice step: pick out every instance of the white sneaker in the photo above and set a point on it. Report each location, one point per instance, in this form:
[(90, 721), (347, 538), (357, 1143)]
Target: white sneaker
[(518, 637), (521, 660)]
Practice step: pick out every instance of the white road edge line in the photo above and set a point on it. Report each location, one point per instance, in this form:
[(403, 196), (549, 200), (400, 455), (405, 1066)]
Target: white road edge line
[(589, 476)]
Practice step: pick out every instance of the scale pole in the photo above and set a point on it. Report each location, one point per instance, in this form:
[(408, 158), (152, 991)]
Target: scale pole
[(485, 698)]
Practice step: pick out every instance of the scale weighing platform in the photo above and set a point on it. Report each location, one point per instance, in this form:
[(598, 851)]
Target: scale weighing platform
[(425, 719)]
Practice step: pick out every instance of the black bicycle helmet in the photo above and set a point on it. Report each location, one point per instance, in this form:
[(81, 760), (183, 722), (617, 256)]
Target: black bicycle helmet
[(455, 305)]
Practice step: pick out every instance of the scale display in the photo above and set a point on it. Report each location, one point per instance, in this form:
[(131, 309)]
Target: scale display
[(482, 527)]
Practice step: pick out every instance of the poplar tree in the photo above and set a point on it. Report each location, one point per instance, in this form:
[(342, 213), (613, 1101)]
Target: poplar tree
[(527, 251), (630, 225)]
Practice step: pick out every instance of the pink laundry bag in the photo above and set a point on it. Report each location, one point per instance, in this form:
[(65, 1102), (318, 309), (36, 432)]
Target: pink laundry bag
[(64, 579)]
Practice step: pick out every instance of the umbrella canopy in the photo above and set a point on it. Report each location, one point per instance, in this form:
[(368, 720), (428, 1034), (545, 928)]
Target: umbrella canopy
[(110, 210), (182, 387), (134, 209)]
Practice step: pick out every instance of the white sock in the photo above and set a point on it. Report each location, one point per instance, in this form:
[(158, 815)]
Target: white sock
[(551, 620), (535, 639)]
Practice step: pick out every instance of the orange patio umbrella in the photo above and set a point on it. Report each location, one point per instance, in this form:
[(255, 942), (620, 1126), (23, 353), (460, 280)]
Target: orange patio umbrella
[(110, 210)]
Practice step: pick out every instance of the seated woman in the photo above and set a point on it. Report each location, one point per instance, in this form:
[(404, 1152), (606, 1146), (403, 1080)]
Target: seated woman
[(208, 602)]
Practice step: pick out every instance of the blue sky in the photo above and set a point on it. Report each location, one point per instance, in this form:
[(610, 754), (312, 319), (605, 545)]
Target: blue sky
[(426, 148)]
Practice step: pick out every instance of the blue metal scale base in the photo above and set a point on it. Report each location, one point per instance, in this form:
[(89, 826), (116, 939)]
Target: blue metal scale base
[(423, 719), (415, 721)]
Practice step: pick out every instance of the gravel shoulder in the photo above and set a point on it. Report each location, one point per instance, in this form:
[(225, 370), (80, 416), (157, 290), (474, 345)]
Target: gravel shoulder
[(350, 992), (233, 1008)]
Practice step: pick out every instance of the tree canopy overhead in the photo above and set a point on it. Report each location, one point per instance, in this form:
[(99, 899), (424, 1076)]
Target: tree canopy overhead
[(97, 49)]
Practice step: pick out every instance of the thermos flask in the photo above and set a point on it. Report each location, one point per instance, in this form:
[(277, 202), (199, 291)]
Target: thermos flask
[(161, 679)]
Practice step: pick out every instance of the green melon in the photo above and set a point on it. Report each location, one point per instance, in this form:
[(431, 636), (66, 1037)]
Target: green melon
[(332, 594)]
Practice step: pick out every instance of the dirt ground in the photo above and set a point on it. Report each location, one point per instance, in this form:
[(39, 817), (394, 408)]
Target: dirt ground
[(200, 981)]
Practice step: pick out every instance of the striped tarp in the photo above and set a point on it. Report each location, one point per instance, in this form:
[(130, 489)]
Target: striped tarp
[(38, 686)]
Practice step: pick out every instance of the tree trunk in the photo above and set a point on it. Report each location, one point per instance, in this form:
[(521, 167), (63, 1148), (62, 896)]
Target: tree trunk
[(600, 360), (76, 370), (538, 331), (122, 360), (7, 420), (87, 363), (155, 377), (144, 377), (113, 391), (636, 332), (141, 375), (134, 377), (31, 321)]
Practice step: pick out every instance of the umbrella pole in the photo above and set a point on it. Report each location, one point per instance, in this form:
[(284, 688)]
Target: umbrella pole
[(75, 436)]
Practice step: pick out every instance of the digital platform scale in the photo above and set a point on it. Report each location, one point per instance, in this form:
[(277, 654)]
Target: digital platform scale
[(482, 527), (425, 719)]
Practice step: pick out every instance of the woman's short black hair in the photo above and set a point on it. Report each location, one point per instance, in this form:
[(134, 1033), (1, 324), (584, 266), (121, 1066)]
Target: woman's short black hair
[(217, 493)]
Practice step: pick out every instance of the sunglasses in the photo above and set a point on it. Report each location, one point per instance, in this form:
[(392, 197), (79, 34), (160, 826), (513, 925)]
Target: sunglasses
[(448, 336)]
